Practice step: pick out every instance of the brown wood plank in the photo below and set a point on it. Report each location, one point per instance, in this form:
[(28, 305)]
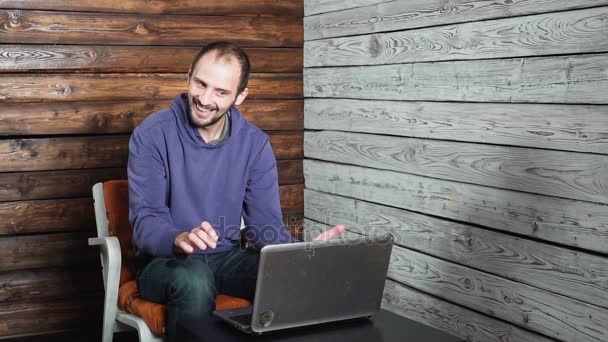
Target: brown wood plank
[(49, 283), (571, 175), (294, 223), (63, 153), (292, 199), (19, 186), (98, 58), (46, 216), (48, 250), (290, 171), (103, 151), (122, 116), (22, 318), (225, 7), (53, 27), (575, 274), (109, 87)]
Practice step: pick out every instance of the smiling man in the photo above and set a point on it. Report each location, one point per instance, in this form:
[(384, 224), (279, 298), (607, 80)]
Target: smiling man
[(194, 170)]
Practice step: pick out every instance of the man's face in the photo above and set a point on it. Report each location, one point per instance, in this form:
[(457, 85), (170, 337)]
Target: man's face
[(212, 89)]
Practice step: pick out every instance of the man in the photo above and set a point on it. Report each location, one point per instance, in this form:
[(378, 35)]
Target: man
[(194, 170)]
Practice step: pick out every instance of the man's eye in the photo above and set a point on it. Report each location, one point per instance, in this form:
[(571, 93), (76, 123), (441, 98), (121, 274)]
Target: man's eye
[(222, 93)]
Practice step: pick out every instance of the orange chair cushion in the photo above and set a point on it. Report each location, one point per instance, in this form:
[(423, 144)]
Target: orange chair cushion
[(155, 315)]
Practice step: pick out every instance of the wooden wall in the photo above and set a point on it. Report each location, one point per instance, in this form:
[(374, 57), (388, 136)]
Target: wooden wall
[(477, 133), (75, 78)]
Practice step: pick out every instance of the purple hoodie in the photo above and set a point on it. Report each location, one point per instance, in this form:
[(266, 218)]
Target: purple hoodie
[(176, 181)]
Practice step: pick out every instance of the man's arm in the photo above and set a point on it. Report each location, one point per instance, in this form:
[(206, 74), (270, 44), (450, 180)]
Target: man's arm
[(262, 207), (153, 229)]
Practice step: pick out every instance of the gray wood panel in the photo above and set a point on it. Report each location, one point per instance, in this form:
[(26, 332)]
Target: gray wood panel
[(539, 310), (554, 33), (319, 6), (582, 128), (564, 221), (455, 319), (408, 14), (555, 173), (561, 270), (572, 79)]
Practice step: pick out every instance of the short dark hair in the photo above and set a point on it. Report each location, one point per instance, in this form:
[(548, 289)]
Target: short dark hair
[(227, 50)]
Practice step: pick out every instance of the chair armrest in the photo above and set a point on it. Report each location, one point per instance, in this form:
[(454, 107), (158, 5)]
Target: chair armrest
[(110, 263)]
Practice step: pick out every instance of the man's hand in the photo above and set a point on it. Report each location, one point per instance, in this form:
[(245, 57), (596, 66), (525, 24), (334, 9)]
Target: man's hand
[(330, 233), (201, 237)]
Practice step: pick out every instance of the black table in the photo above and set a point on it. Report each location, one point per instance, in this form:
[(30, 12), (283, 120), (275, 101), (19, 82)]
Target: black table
[(384, 327)]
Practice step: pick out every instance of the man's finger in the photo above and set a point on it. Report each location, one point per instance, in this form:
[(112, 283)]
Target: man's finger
[(201, 234), (206, 226), (186, 247), (197, 241), (330, 233)]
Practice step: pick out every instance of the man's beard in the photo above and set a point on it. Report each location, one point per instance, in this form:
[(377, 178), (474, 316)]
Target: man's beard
[(207, 124)]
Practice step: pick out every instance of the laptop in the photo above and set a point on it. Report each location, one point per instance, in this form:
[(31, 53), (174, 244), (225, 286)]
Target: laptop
[(307, 283)]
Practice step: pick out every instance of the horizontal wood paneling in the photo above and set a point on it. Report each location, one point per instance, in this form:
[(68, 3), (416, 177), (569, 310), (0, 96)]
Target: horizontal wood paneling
[(573, 79), (563, 221), (56, 215), (128, 87), (54, 27), (137, 59), (455, 319), (226, 7), (444, 315), (46, 216), (49, 250), (539, 310), (102, 151), (555, 173), (319, 6), (407, 14), (554, 33), (123, 116), (49, 283), (16, 186), (582, 128), (40, 316), (571, 273)]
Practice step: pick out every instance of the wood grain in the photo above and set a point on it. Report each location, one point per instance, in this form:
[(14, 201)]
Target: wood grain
[(554, 173), (223, 8), (457, 320), (55, 27), (580, 31), (319, 6), (292, 199), (103, 151), (539, 310), (47, 250), (397, 15), (134, 59), (572, 79), (49, 283), (46, 216), (129, 87), (563, 221), (574, 274), (582, 128), (19, 186), (123, 116), (22, 318)]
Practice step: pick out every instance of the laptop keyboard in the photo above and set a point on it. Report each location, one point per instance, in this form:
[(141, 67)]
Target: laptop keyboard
[(243, 319)]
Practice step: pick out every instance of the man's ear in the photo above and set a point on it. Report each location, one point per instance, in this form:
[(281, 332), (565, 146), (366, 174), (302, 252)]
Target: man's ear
[(241, 97)]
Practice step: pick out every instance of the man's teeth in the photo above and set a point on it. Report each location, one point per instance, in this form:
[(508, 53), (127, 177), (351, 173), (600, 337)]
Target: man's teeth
[(202, 109)]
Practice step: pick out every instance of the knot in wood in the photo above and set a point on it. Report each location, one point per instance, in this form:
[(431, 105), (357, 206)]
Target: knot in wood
[(15, 18)]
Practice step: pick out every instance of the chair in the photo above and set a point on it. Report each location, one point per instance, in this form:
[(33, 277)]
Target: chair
[(123, 308)]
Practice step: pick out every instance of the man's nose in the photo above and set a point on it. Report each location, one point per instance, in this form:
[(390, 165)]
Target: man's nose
[(205, 97)]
